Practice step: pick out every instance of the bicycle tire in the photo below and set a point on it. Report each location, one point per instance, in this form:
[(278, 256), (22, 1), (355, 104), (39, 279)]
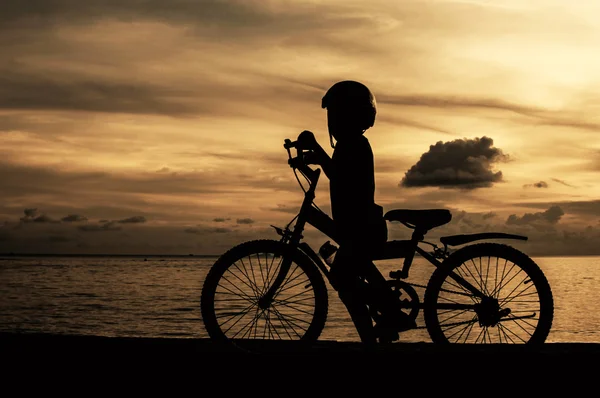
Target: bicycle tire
[(518, 308), (237, 280)]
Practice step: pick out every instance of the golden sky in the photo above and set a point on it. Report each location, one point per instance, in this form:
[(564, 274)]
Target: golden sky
[(157, 127)]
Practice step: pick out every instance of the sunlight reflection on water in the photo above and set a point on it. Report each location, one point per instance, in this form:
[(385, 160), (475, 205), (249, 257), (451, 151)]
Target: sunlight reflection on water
[(112, 296)]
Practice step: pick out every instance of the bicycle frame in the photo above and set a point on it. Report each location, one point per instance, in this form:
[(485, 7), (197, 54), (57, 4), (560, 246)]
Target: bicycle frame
[(308, 214)]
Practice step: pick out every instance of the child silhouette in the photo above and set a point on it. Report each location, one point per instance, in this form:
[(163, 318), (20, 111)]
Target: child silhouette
[(360, 227)]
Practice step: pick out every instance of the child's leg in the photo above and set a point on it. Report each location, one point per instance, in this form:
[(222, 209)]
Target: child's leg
[(346, 282)]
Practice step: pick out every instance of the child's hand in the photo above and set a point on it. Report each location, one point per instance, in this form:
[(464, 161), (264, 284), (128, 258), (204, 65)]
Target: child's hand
[(312, 158), (306, 140)]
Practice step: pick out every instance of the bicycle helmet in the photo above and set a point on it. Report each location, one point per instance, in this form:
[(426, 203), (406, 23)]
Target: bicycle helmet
[(354, 100)]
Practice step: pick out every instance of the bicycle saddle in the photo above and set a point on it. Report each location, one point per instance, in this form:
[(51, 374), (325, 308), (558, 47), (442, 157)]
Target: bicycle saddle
[(423, 219)]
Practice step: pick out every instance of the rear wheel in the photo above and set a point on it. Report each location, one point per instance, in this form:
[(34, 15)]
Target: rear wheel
[(231, 305), (516, 306)]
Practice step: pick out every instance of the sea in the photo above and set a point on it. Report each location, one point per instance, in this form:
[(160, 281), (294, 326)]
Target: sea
[(159, 297)]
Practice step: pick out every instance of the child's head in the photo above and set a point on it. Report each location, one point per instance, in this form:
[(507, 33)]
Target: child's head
[(351, 109)]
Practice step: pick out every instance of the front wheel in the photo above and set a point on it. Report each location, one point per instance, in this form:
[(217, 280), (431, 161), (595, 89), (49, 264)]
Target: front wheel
[(515, 307), (231, 305)]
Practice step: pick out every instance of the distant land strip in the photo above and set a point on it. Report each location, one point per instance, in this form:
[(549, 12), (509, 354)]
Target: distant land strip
[(105, 255)]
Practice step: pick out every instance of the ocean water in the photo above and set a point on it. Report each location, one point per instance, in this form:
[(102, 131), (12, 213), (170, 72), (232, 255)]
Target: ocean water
[(160, 297)]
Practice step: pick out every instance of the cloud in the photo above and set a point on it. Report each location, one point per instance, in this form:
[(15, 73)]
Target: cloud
[(20, 180), (45, 218), (207, 231), (462, 163), (109, 226), (245, 221), (284, 209), (74, 218), (541, 184), (562, 182), (32, 215), (220, 219), (133, 220), (586, 209), (440, 101), (30, 212), (5, 234), (489, 215), (551, 216), (58, 239), (33, 90)]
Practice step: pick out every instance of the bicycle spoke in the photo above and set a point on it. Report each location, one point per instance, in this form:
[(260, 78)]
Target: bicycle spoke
[(290, 324)]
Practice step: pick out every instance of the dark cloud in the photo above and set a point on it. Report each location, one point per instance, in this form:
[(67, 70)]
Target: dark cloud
[(74, 218), (109, 226), (35, 90), (456, 102), (19, 181), (462, 163), (218, 12), (29, 27), (30, 212), (215, 19), (588, 209), (551, 216), (220, 219), (285, 209), (562, 182), (489, 215), (58, 239), (206, 231), (577, 124), (245, 221), (45, 218), (32, 215), (133, 220), (541, 184), (5, 234), (401, 121), (536, 115), (44, 13)]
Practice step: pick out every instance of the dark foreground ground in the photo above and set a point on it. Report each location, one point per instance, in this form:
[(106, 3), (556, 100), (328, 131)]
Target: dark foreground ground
[(87, 363), (332, 365), (31, 344)]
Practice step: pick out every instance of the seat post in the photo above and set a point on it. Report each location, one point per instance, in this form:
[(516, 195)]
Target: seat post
[(417, 236)]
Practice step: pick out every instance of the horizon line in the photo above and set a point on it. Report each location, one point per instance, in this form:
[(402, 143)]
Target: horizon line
[(12, 254)]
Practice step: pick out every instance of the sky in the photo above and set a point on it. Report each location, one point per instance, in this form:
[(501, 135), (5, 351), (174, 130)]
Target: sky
[(157, 127)]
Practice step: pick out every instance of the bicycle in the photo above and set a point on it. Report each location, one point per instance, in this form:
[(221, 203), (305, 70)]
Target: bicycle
[(481, 293)]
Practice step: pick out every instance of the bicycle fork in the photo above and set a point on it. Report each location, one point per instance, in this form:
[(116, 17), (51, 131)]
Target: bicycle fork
[(293, 242)]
